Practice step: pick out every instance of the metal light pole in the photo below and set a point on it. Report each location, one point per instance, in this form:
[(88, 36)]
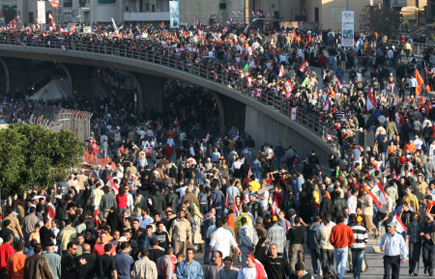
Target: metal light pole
[(347, 5)]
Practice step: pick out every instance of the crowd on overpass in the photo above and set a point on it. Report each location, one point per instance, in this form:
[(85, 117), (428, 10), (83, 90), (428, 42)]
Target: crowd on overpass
[(180, 185)]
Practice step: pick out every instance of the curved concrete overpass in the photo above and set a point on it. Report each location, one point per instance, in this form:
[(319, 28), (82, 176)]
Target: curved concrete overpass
[(264, 123)]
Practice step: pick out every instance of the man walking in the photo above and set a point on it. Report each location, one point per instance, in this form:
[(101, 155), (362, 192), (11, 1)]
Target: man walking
[(189, 268), (358, 247), (248, 238), (396, 251), (181, 233), (341, 238), (37, 266), (54, 260)]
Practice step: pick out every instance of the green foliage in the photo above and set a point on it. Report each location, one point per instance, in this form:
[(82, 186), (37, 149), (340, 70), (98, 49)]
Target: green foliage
[(379, 19), (32, 157)]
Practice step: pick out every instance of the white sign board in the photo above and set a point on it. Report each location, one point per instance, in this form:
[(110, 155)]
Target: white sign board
[(347, 28), (41, 12)]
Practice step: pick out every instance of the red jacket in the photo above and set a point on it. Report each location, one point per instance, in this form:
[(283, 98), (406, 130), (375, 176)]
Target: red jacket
[(6, 250), (341, 236)]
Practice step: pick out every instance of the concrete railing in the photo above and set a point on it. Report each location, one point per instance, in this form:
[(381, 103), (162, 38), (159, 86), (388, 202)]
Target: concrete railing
[(160, 56), (417, 48)]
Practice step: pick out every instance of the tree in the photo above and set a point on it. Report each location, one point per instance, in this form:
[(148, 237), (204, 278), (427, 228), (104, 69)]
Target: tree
[(32, 157), (380, 19)]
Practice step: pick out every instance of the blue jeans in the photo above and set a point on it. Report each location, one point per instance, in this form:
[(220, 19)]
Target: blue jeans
[(206, 251), (357, 259), (340, 261)]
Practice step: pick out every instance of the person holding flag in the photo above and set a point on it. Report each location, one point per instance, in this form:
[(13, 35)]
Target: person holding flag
[(396, 251), (248, 239)]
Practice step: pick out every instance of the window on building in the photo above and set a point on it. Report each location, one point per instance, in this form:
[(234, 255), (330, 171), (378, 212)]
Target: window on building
[(316, 14), (140, 6), (153, 8), (222, 6), (147, 7), (106, 2), (67, 4)]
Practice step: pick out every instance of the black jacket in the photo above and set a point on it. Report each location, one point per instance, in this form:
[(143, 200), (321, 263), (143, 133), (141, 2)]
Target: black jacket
[(256, 210), (337, 206), (158, 203), (325, 207), (275, 268), (87, 271)]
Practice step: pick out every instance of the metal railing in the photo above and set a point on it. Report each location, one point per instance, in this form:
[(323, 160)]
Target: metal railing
[(161, 56)]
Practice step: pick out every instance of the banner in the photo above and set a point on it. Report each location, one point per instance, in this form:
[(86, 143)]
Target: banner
[(347, 28), (174, 14), (41, 12)]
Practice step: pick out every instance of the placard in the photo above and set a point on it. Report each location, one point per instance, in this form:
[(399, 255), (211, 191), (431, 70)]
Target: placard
[(347, 28)]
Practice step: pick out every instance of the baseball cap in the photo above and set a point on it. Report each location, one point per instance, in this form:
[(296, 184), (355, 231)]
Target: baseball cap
[(359, 219), (274, 218)]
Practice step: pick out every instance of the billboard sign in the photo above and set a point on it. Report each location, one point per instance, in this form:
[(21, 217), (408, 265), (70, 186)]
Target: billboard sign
[(347, 28), (174, 14), (41, 12)]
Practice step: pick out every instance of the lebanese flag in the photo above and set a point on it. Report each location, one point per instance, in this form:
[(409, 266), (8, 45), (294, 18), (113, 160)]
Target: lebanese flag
[(258, 92), (139, 37), (259, 13), (51, 211), (378, 194), (275, 207), (214, 74), (304, 67), (113, 185), (337, 81), (249, 82), (371, 101), (259, 268), (97, 217), (281, 71), (296, 161), (197, 60), (329, 137), (240, 13), (207, 138), (53, 23), (230, 21), (192, 49), (179, 50), (400, 227), (54, 3), (389, 89), (288, 87), (268, 14), (236, 210), (327, 106), (67, 30), (234, 12), (198, 23), (293, 113), (236, 137), (63, 47), (253, 14)]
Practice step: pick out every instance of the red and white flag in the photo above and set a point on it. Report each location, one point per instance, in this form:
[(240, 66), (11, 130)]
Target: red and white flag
[(259, 14), (139, 37), (327, 106), (296, 161), (268, 14), (51, 211), (236, 137), (230, 21), (304, 67), (240, 13), (198, 23), (288, 87), (192, 49), (197, 60), (253, 14), (400, 227), (69, 30), (281, 71), (54, 3), (249, 82), (258, 92), (113, 185), (63, 47), (275, 208), (378, 194), (337, 81), (371, 101), (207, 138), (179, 50), (293, 113), (215, 75), (53, 23), (329, 137), (389, 89)]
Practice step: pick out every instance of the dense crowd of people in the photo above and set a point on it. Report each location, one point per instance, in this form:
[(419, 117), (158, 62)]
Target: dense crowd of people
[(182, 184)]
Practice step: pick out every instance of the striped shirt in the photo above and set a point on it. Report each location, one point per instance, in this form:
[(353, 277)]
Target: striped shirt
[(361, 237), (165, 268)]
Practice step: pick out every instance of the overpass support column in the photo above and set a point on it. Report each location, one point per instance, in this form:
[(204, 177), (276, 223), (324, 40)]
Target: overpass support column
[(150, 92), (233, 113), (16, 73), (81, 78)]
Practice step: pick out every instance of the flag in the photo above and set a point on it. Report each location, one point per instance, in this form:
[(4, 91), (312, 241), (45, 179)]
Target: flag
[(253, 14), (179, 50), (420, 83), (234, 12), (296, 161), (371, 101), (246, 68), (281, 71), (240, 13), (329, 137), (304, 67), (259, 14), (268, 14), (249, 82), (389, 89), (192, 49), (294, 113), (236, 211), (259, 92), (275, 208), (113, 185), (51, 211), (63, 47), (197, 60), (53, 23), (400, 227), (327, 105), (139, 37), (19, 19), (236, 137), (97, 217), (378, 194), (230, 21), (198, 23), (288, 87), (207, 138), (337, 81), (214, 74), (162, 25), (69, 30)]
